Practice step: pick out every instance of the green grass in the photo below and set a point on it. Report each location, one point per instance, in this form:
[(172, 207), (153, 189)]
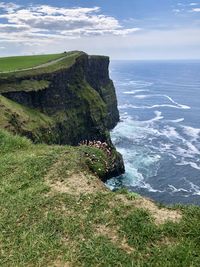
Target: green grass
[(12, 113), (24, 62), (39, 127), (25, 121), (25, 85), (54, 211), (41, 227), (66, 61)]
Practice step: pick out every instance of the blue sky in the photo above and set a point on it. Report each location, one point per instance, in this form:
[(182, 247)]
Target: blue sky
[(129, 29)]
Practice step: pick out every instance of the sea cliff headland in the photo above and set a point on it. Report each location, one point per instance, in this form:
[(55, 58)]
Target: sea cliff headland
[(54, 146)]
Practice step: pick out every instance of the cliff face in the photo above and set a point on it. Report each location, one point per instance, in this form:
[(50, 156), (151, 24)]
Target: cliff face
[(80, 102), (98, 77)]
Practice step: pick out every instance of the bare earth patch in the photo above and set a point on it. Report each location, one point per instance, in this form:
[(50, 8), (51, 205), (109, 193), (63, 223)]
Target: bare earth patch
[(76, 184), (112, 234), (161, 215), (59, 263), (166, 241), (72, 183)]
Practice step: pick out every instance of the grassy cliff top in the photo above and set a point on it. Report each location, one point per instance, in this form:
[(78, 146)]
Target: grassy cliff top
[(55, 212), (9, 64), (32, 65)]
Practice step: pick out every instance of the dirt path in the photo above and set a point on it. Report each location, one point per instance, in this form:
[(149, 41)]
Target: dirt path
[(37, 67)]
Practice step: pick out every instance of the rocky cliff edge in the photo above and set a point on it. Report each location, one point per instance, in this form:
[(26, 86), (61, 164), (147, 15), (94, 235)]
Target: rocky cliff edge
[(68, 103)]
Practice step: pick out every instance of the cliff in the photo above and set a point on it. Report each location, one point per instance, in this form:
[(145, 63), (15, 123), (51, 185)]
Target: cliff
[(71, 101), (55, 212)]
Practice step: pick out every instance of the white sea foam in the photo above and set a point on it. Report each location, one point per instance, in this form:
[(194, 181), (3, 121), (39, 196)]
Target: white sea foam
[(134, 130), (173, 156), (195, 188), (127, 106), (192, 148), (138, 84), (193, 133), (175, 104), (171, 133), (177, 120), (147, 186), (140, 161), (134, 178), (176, 190), (158, 117), (181, 84), (185, 153), (187, 150), (134, 92), (151, 143), (142, 96), (178, 105), (190, 163)]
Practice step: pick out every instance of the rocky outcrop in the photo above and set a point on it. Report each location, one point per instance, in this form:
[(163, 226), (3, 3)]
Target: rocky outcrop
[(98, 77), (80, 100)]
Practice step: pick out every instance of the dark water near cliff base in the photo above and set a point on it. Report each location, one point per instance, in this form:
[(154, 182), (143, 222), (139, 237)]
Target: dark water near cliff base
[(159, 132)]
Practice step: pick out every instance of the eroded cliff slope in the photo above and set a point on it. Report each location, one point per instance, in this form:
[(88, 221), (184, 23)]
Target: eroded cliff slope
[(62, 103)]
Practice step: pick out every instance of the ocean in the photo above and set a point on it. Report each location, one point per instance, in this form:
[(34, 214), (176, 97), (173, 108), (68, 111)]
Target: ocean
[(159, 131)]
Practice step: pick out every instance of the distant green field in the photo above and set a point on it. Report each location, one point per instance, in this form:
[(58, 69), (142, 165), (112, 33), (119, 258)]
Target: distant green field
[(24, 62)]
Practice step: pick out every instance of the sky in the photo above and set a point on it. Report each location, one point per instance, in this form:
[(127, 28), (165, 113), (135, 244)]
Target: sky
[(121, 29)]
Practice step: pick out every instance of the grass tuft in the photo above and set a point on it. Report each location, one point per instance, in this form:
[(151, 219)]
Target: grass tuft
[(40, 226)]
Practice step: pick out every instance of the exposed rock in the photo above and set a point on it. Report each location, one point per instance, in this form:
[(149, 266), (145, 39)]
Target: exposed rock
[(80, 100)]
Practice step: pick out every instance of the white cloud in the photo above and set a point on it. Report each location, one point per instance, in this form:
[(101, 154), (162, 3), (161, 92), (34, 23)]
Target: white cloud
[(38, 29), (186, 7), (176, 10), (9, 7), (193, 4), (151, 44), (48, 22), (7, 28)]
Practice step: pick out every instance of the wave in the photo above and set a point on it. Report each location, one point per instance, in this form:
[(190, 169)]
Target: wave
[(126, 119), (132, 179), (185, 149), (177, 120), (156, 118), (177, 190), (171, 133), (142, 96), (164, 96), (135, 131), (194, 150), (174, 102), (145, 185), (197, 84), (190, 163), (193, 133), (129, 129), (185, 153), (193, 189), (134, 92), (126, 106), (138, 84)]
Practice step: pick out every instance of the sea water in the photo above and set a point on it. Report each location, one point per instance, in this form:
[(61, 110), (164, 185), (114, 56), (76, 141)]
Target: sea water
[(159, 131)]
